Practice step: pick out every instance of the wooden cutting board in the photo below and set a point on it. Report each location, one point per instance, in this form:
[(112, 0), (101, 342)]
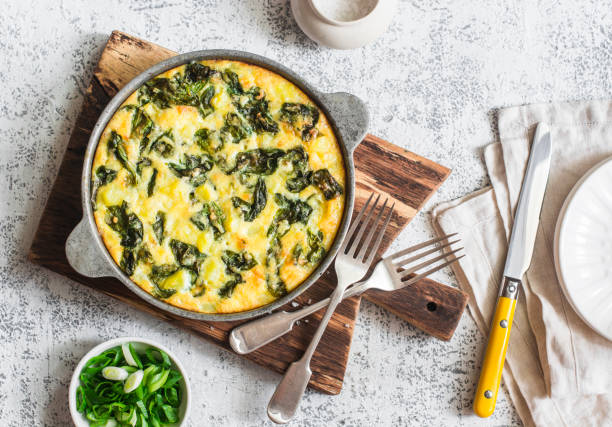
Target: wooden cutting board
[(407, 178)]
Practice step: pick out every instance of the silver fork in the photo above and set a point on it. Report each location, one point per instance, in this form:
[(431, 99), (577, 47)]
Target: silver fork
[(352, 263), (390, 274)]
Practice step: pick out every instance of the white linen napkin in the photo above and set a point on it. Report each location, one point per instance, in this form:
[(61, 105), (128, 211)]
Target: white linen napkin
[(558, 371)]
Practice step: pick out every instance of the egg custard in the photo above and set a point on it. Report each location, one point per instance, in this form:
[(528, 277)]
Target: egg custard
[(218, 186)]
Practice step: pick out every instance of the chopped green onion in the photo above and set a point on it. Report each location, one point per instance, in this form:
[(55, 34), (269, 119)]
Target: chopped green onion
[(123, 387), (115, 374), (133, 381)]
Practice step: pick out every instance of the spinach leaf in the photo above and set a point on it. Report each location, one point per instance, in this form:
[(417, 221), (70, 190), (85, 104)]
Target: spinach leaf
[(228, 287), (204, 107), (186, 255), (203, 138), (256, 111), (151, 185), (234, 129), (260, 198), (163, 144), (302, 117), (141, 122), (141, 164), (159, 273), (181, 89), (159, 225), (127, 225), (193, 167), (116, 145), (235, 262), (144, 255), (158, 91), (317, 250), (259, 161), (301, 175), (211, 215), (233, 82), (274, 284), (299, 181), (128, 261), (195, 72), (327, 184), (105, 175)]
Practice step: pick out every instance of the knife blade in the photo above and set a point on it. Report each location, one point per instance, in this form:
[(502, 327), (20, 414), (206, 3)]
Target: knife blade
[(518, 260)]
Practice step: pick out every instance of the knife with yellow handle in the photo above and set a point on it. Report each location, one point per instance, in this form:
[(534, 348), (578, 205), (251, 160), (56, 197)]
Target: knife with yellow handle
[(518, 259)]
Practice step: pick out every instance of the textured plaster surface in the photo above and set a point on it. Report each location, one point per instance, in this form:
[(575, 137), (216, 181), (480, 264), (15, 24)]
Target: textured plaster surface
[(433, 83)]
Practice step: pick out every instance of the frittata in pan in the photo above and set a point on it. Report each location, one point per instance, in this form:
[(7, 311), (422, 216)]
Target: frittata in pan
[(218, 186)]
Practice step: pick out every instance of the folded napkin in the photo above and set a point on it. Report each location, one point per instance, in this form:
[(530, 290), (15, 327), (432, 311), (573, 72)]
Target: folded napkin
[(558, 371)]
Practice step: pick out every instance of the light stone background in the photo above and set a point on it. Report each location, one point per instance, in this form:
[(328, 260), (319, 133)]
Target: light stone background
[(433, 82)]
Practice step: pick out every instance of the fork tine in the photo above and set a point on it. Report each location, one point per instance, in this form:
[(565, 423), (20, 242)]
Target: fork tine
[(422, 254), (431, 270), (420, 246), (408, 272), (353, 226), (379, 238), (368, 237), (352, 250)]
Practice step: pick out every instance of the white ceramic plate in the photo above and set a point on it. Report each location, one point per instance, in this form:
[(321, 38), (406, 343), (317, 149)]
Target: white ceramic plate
[(583, 248), (140, 344)]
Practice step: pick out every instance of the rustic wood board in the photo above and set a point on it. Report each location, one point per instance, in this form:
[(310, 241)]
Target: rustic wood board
[(411, 182)]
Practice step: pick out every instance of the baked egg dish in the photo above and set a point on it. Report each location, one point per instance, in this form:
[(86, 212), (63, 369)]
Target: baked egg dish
[(218, 186)]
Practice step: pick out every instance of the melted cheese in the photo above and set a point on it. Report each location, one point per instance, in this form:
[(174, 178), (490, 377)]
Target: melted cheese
[(179, 200)]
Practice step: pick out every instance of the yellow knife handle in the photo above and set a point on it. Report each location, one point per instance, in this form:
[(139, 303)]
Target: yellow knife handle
[(495, 354)]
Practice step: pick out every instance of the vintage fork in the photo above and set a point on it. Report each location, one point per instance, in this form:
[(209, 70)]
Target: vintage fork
[(390, 274), (352, 263)]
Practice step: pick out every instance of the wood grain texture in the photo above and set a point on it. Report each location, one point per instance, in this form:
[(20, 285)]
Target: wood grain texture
[(411, 181)]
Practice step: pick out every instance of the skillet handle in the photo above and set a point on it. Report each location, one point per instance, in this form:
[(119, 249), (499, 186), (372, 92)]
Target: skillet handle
[(83, 254), (350, 115)]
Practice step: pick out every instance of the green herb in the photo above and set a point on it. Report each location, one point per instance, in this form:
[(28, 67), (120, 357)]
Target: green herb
[(151, 185), (260, 197), (302, 117), (154, 402), (116, 145), (211, 215), (158, 226), (327, 184), (193, 167), (186, 255), (105, 175)]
